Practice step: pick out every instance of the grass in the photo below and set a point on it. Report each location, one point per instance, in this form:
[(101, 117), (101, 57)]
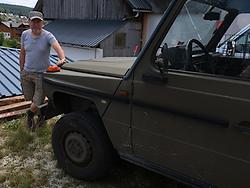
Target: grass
[(19, 140), (21, 144), (27, 160), (23, 180)]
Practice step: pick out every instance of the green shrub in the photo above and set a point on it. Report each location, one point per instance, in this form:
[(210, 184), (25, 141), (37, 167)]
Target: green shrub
[(10, 43), (1, 39)]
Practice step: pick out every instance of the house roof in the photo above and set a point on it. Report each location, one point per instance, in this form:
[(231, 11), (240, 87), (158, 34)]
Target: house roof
[(85, 33), (24, 24), (9, 71), (141, 5), (38, 5), (135, 4), (14, 24), (156, 6)]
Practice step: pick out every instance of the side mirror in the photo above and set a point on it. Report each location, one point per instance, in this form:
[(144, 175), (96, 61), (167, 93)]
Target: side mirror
[(230, 50), (212, 16), (161, 60)]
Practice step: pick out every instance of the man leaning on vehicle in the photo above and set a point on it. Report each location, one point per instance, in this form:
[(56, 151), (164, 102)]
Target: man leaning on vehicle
[(34, 60)]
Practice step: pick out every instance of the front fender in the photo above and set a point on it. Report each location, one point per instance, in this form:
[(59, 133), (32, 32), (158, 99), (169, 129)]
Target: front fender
[(62, 88)]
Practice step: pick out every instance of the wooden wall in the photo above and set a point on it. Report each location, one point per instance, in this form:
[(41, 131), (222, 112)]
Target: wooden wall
[(14, 32), (86, 9), (4, 28), (133, 32)]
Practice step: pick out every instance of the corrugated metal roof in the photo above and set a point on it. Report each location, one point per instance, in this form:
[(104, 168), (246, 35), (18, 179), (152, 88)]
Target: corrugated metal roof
[(9, 71), (88, 33), (140, 5)]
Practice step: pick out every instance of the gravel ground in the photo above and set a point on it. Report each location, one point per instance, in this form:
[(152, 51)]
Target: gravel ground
[(27, 160)]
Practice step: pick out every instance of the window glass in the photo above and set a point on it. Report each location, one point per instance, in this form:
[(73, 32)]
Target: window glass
[(240, 43), (191, 31), (242, 46), (190, 24), (184, 48)]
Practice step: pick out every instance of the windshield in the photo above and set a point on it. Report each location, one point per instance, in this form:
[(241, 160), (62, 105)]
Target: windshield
[(190, 24)]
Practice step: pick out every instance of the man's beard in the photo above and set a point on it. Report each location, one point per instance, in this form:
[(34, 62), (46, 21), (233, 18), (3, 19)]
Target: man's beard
[(36, 30)]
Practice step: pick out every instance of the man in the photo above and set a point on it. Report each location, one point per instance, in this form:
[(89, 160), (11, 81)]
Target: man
[(34, 60)]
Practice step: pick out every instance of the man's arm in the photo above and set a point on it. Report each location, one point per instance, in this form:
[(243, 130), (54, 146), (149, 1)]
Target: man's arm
[(22, 58), (56, 46)]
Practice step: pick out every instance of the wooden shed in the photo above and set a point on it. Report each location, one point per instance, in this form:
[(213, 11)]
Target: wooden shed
[(124, 40)]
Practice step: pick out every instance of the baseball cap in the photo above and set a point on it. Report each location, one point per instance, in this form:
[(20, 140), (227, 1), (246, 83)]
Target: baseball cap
[(35, 14)]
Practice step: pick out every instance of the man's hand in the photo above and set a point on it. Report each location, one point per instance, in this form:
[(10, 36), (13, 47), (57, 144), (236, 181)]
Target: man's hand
[(60, 62)]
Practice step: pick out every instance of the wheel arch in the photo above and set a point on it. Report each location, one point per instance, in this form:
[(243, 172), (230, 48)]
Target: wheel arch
[(76, 103), (67, 102)]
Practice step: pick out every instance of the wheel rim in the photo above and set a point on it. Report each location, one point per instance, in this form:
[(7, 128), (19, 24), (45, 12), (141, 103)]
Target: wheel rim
[(77, 148)]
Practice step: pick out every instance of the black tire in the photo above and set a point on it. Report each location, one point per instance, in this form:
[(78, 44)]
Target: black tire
[(82, 147)]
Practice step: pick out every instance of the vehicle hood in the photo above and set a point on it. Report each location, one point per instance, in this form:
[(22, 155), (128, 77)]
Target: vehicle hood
[(108, 66)]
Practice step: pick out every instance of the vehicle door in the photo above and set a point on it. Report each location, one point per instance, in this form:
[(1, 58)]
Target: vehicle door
[(189, 121)]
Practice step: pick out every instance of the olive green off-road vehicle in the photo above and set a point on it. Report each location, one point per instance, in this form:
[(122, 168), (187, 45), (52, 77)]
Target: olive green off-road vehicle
[(180, 108)]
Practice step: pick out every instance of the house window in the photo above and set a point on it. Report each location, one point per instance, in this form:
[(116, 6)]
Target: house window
[(6, 35), (120, 40)]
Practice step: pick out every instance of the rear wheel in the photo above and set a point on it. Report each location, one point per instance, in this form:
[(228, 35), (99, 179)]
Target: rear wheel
[(81, 146)]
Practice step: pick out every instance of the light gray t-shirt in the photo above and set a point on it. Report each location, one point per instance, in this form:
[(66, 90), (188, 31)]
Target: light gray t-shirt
[(37, 50)]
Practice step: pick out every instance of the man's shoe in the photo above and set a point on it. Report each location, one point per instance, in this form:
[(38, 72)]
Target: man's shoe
[(41, 116), (30, 120), (40, 120)]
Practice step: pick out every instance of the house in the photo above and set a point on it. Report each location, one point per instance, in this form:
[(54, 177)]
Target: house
[(96, 28), (22, 27), (12, 29)]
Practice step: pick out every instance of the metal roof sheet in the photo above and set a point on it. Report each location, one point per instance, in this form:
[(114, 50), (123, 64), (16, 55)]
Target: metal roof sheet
[(140, 5), (9, 71), (88, 33)]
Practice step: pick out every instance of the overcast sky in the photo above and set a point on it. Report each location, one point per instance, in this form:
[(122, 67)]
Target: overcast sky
[(27, 3)]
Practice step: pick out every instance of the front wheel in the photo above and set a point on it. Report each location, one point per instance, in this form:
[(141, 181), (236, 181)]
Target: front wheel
[(82, 147)]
